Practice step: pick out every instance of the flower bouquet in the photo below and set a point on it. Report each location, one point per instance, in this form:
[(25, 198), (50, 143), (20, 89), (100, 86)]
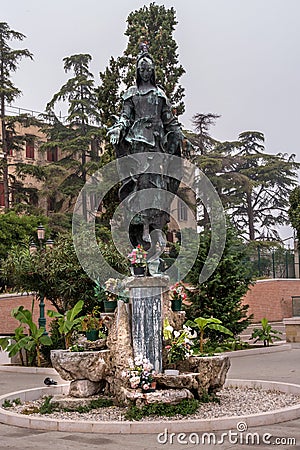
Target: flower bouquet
[(138, 260), (177, 295), (179, 343), (141, 374)]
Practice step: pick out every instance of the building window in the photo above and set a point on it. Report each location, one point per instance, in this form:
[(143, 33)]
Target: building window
[(9, 143), (30, 148), (2, 202), (182, 211), (52, 154)]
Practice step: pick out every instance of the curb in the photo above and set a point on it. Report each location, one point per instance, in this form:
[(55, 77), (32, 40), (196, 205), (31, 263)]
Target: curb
[(150, 427), (258, 351), (21, 369)]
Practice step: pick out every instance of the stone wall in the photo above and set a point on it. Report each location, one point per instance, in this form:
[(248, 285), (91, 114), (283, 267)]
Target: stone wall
[(10, 301), (272, 298)]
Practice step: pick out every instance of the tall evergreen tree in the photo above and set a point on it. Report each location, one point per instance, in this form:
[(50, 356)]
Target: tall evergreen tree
[(254, 186), (261, 185), (80, 133), (203, 155), (203, 140), (220, 296), (294, 210), (155, 25), (9, 59)]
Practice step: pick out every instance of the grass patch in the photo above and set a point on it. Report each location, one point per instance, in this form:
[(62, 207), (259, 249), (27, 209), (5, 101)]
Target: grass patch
[(11, 403), (47, 407), (208, 397), (184, 408), (95, 404)]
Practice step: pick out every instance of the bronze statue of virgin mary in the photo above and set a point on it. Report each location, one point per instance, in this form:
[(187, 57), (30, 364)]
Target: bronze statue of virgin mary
[(147, 125)]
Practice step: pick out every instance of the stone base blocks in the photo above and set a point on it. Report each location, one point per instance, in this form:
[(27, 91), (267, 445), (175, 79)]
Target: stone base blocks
[(292, 330), (167, 396), (210, 371), (85, 388)]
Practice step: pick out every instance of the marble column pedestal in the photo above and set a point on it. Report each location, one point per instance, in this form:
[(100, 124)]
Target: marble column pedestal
[(146, 298)]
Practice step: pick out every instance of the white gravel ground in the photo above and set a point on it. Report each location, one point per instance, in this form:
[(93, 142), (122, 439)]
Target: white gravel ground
[(233, 402)]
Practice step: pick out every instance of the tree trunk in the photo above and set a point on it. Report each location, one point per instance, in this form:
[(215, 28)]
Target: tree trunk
[(250, 217), (4, 160), (201, 340)]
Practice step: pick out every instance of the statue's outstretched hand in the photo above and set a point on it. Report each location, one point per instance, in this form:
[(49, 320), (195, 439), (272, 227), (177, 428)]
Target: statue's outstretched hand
[(114, 134)]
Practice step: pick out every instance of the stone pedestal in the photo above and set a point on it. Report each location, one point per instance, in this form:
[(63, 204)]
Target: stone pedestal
[(84, 388), (87, 371), (167, 396), (80, 365), (292, 330), (146, 295)]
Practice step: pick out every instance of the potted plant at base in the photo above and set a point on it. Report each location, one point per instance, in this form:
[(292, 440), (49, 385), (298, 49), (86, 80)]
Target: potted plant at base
[(110, 302), (177, 295), (114, 290), (105, 295), (91, 325), (138, 261)]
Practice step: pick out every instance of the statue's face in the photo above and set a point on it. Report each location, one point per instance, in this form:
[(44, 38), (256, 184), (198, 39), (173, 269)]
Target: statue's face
[(145, 70)]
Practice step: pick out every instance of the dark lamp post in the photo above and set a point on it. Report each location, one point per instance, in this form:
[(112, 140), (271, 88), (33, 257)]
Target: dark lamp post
[(33, 249), (49, 244), (41, 232)]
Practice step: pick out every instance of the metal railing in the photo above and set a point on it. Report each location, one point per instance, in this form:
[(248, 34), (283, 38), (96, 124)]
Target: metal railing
[(273, 263)]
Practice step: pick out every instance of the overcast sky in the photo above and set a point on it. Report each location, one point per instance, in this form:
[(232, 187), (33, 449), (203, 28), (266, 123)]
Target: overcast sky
[(242, 57)]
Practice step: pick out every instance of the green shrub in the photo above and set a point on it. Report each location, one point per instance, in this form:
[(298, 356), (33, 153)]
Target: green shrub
[(184, 408), (47, 407), (266, 333), (94, 404), (11, 403)]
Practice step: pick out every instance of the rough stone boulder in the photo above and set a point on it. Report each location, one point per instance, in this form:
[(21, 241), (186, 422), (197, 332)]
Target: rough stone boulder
[(120, 347), (211, 371), (71, 366), (181, 381), (167, 396), (99, 344), (73, 403), (85, 388)]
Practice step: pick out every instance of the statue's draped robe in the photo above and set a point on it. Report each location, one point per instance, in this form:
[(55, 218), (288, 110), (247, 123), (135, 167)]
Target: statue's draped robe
[(148, 125)]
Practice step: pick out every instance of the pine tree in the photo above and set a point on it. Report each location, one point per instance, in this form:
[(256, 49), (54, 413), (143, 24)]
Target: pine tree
[(261, 185), (294, 210), (9, 59), (204, 156), (254, 186), (80, 134)]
